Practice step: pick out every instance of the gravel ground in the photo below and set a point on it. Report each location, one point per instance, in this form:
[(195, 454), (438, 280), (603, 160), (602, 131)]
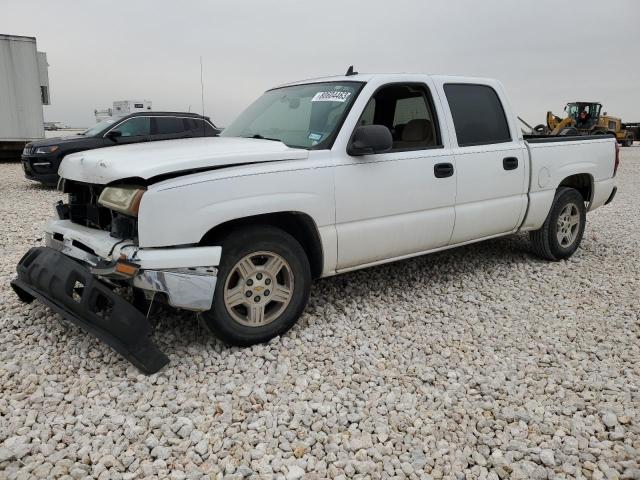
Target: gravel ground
[(482, 362)]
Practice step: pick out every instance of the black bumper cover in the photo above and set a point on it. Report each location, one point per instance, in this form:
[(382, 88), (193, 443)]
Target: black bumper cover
[(49, 177), (68, 288)]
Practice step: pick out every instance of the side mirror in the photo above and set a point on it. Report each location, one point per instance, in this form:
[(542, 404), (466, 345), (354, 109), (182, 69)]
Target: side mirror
[(369, 139), (114, 134)]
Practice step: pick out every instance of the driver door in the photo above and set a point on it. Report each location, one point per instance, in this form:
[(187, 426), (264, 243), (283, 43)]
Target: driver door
[(398, 203)]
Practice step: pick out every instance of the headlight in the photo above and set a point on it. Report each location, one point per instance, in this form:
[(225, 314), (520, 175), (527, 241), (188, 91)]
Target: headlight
[(124, 199), (45, 150)]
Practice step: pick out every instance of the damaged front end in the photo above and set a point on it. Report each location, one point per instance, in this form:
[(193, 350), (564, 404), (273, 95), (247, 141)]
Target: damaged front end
[(70, 289), (83, 269)]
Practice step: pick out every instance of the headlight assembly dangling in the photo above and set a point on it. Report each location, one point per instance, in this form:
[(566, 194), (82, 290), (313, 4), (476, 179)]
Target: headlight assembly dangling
[(123, 198)]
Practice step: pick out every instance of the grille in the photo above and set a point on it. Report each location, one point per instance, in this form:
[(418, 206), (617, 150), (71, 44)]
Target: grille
[(85, 210)]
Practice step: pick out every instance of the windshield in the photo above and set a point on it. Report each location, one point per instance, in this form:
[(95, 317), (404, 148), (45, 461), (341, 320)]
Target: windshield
[(99, 127), (304, 116)]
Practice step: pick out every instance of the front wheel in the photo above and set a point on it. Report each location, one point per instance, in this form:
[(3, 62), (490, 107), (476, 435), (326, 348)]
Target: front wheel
[(561, 234), (263, 285)]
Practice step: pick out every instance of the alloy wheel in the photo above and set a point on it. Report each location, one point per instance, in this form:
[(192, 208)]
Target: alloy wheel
[(258, 288), (568, 225)]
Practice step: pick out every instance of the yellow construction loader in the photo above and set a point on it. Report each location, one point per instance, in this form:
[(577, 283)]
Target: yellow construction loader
[(584, 118)]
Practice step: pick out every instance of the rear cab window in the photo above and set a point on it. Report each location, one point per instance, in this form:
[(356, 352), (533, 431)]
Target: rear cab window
[(478, 115)]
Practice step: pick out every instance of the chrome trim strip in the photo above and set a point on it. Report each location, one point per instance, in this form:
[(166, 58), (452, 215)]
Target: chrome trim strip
[(156, 116)]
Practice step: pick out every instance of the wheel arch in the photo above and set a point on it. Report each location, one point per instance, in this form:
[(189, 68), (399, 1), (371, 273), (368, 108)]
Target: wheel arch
[(582, 182), (299, 225)]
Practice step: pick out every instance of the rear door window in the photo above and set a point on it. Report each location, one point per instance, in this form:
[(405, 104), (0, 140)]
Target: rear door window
[(168, 125), (478, 115)]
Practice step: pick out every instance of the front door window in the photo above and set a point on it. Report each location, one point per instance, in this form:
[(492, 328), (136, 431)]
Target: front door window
[(135, 127)]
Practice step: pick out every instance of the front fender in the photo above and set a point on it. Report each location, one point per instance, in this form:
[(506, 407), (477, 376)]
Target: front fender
[(171, 216)]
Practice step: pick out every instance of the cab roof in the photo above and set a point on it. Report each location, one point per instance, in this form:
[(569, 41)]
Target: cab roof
[(367, 77), (156, 113)]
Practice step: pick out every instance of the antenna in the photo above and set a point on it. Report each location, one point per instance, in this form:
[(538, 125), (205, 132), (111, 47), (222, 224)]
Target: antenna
[(350, 71), (202, 96)]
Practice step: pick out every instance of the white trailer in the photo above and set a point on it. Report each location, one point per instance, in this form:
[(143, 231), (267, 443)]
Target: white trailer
[(121, 108), (126, 107), (24, 88)]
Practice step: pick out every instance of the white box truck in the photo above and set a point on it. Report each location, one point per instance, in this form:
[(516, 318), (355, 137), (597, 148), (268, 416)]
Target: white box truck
[(24, 88)]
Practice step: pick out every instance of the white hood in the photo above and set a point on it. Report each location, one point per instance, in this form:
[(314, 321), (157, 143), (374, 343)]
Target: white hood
[(149, 159)]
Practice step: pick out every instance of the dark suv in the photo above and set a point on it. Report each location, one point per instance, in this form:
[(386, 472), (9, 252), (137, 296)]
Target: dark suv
[(41, 159)]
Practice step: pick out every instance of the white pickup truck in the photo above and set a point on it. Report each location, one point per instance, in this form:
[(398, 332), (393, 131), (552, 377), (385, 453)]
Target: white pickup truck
[(313, 179)]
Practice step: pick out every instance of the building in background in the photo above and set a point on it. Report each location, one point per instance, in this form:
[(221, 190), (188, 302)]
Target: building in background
[(24, 88)]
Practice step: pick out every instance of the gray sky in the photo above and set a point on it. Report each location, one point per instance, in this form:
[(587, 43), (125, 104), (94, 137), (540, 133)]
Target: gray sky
[(545, 52)]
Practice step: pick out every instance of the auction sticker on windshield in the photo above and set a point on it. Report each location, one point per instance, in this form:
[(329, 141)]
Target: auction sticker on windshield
[(331, 97)]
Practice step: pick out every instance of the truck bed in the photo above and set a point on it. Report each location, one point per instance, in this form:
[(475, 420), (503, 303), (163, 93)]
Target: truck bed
[(563, 138), (556, 158)]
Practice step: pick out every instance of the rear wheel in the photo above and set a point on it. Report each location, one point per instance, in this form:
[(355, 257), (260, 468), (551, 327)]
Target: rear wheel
[(263, 285), (628, 141), (561, 234)]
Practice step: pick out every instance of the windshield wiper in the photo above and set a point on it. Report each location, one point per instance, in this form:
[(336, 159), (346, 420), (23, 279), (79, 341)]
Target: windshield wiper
[(258, 136)]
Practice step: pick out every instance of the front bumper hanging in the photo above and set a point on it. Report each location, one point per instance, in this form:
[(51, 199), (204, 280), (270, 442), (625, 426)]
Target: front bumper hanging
[(69, 288)]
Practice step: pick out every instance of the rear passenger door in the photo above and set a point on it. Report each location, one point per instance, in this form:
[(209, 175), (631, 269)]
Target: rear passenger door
[(168, 128), (490, 163)]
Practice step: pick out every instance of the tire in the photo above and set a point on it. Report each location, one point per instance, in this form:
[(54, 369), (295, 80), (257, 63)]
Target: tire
[(628, 141), (569, 131), (545, 242), (235, 318)]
